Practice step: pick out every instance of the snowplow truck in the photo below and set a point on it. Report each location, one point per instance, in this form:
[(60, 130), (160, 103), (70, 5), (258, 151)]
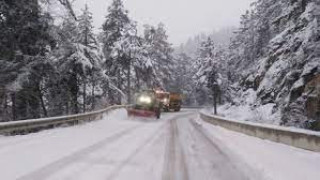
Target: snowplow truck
[(169, 101), (164, 99), (146, 105), (175, 101)]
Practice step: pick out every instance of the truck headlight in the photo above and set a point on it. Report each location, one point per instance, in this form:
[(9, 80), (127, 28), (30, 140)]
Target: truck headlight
[(166, 100), (145, 99)]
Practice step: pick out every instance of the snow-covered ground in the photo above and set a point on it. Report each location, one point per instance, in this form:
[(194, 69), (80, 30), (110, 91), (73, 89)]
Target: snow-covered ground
[(262, 114), (273, 160), (247, 110), (178, 146)]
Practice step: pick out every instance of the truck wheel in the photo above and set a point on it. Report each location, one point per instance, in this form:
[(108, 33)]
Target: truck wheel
[(166, 109), (158, 115), (158, 112)]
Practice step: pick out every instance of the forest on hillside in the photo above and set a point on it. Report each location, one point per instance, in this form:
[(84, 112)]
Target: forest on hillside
[(52, 66), (271, 63)]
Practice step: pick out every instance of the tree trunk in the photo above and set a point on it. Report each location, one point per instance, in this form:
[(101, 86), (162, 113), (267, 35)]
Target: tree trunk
[(215, 103), (215, 98), (44, 109), (110, 96), (75, 103), (129, 82), (67, 106), (5, 106), (74, 92), (119, 86), (93, 95), (137, 87), (13, 99), (318, 113), (220, 97), (84, 95), (3, 102)]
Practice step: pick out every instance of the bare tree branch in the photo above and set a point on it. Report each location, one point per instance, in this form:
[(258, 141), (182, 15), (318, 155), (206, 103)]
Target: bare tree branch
[(68, 6)]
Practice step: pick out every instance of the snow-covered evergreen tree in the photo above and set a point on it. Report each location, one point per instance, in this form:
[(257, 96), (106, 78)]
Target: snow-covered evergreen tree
[(23, 47), (91, 57), (204, 65), (134, 62), (51, 68), (116, 29), (78, 59), (159, 52), (182, 78)]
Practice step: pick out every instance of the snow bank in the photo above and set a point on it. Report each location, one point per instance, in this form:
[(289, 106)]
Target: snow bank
[(21, 155), (261, 114), (247, 109), (275, 161)]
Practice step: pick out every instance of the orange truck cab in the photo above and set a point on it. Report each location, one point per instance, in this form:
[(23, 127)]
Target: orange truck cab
[(175, 101), (169, 101), (164, 98)]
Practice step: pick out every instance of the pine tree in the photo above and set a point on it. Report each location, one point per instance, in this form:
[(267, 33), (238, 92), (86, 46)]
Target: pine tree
[(78, 60), (210, 76), (203, 65), (182, 77), (116, 25), (124, 52), (90, 56), (159, 52), (68, 63), (24, 42)]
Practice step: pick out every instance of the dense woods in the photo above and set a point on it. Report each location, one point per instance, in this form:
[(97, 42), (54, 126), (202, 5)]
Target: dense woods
[(53, 67)]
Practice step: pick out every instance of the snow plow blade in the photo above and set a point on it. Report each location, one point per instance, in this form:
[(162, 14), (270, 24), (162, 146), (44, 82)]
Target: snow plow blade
[(140, 113)]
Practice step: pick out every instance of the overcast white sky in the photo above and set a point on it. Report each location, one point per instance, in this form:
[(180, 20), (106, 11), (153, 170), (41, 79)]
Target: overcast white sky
[(183, 18)]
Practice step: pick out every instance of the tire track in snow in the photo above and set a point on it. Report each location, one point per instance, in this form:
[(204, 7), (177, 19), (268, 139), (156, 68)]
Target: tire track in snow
[(136, 151), (65, 162), (224, 167), (175, 167), (146, 143), (60, 164)]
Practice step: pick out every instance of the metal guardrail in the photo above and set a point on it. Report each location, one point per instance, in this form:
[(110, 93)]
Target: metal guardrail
[(297, 138), (34, 125)]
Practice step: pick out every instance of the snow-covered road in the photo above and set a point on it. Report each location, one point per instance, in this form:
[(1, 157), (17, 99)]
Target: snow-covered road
[(178, 146)]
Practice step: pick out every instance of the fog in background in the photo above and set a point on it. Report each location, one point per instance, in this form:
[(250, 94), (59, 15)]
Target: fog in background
[(183, 18)]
